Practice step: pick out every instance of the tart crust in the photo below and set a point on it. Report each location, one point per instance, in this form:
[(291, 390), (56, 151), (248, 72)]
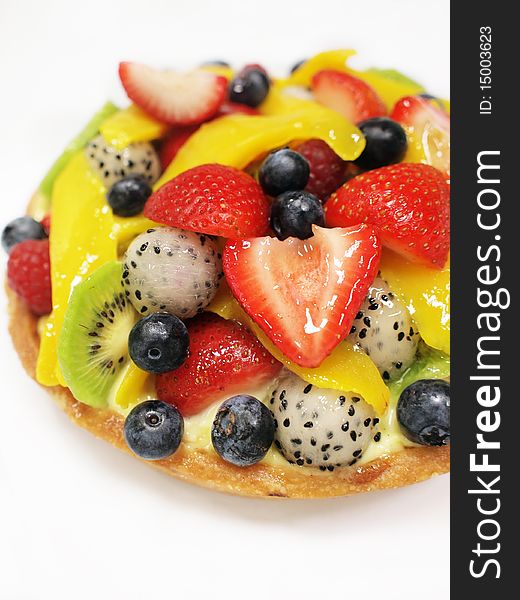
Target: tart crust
[(205, 468)]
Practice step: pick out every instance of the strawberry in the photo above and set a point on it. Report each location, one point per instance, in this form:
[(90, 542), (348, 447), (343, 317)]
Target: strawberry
[(212, 199), (224, 359), (428, 129), (348, 95), (327, 168), (175, 98), (304, 294), (29, 274), (174, 142), (407, 204)]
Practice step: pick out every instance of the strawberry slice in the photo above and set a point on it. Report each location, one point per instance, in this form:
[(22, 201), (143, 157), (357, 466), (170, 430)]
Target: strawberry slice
[(234, 108), (174, 142), (304, 294), (212, 199), (407, 204), (174, 98), (428, 131), (348, 95), (224, 359)]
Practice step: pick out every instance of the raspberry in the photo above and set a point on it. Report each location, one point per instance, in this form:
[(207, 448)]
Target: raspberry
[(327, 168), (46, 223), (29, 274)]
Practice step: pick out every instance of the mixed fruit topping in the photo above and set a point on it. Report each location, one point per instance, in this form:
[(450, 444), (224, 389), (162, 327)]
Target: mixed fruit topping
[(253, 266)]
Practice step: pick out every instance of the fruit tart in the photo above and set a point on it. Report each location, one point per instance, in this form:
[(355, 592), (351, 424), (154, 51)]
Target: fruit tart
[(244, 280)]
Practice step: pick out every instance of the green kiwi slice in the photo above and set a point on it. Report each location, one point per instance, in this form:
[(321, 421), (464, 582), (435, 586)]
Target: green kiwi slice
[(93, 343)]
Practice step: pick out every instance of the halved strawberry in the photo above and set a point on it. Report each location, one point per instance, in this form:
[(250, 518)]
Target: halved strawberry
[(175, 98), (348, 95), (174, 142), (304, 294), (428, 129), (224, 358), (407, 204), (212, 199)]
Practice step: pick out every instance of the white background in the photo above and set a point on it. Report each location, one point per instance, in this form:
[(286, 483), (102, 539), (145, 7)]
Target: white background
[(78, 519)]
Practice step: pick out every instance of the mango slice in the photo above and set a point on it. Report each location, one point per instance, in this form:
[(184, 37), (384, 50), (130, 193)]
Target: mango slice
[(389, 87), (81, 240), (131, 125), (125, 229), (135, 386), (426, 293), (236, 140), (345, 369)]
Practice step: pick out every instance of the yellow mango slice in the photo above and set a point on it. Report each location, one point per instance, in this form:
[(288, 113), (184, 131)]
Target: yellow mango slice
[(236, 140), (388, 89), (81, 240), (345, 369), (221, 70), (426, 293), (125, 229), (135, 386), (131, 125)]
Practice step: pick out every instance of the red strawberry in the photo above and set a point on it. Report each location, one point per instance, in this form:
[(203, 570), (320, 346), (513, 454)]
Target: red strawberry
[(46, 223), (232, 108), (212, 199), (224, 359), (327, 168), (348, 95), (174, 142), (407, 204), (428, 130), (29, 274), (304, 294), (175, 98)]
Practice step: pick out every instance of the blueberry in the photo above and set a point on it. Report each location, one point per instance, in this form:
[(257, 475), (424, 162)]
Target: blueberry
[(128, 196), (216, 63), (153, 429), (243, 430), (294, 213), (423, 411), (249, 87), (282, 171), (158, 343), (21, 229), (385, 143)]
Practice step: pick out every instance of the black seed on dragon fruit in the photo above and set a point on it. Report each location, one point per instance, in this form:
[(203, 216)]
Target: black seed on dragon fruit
[(383, 328), (171, 270), (317, 427), (113, 164)]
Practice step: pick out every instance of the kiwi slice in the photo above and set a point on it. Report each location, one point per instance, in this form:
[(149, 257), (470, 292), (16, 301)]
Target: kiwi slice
[(93, 343)]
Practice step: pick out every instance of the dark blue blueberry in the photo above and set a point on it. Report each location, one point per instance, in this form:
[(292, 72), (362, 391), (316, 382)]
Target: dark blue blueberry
[(294, 213), (243, 430), (423, 411), (282, 171), (297, 65), (21, 229), (153, 429), (128, 196), (385, 143), (158, 343), (249, 87)]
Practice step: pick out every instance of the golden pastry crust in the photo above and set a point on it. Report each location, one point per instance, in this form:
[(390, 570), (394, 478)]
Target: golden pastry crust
[(205, 468)]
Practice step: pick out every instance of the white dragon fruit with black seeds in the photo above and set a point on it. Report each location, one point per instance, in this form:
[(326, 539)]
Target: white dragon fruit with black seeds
[(318, 427), (112, 164), (383, 328), (171, 270)]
